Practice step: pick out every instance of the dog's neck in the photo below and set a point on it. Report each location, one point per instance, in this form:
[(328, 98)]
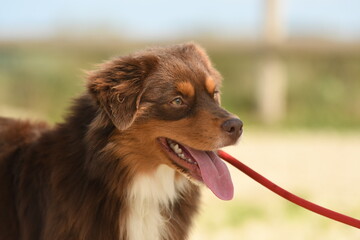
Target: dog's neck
[(149, 197)]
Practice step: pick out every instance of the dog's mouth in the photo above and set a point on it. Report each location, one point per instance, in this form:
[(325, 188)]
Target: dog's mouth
[(203, 166)]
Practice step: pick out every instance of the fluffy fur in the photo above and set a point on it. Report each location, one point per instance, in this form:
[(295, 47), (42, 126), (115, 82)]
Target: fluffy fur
[(102, 173)]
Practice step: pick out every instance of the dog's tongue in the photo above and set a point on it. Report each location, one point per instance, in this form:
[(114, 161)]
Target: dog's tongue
[(215, 173)]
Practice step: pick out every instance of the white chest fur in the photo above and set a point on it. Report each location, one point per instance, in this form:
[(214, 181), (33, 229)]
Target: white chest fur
[(148, 195)]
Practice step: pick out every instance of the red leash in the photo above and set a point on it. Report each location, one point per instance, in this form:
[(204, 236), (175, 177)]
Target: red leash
[(287, 195)]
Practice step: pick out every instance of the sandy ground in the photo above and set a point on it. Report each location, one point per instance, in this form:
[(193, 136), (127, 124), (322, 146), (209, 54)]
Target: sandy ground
[(321, 167)]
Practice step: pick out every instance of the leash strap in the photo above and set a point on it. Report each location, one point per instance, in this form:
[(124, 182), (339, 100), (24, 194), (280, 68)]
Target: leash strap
[(287, 195)]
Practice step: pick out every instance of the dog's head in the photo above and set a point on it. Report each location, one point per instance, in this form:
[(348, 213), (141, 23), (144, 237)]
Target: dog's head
[(167, 101)]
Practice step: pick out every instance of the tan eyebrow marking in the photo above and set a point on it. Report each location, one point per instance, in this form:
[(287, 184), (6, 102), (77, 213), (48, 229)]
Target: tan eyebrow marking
[(210, 85), (186, 88)]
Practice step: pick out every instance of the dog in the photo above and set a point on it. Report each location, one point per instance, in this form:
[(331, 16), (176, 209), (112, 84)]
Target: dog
[(128, 161)]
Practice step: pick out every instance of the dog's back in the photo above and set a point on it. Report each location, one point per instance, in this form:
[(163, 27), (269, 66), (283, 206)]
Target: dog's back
[(14, 136), (15, 133)]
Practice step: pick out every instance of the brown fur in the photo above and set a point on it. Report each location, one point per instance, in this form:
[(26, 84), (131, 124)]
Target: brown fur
[(210, 85), (70, 182), (185, 88)]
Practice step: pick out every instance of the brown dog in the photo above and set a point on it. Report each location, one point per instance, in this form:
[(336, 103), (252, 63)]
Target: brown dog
[(127, 161)]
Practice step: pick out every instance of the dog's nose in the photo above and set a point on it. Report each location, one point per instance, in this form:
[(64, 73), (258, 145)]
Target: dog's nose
[(233, 127)]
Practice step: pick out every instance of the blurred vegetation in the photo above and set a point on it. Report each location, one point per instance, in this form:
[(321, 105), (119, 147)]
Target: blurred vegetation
[(323, 90)]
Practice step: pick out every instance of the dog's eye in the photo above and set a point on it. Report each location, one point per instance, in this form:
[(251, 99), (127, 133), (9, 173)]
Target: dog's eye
[(177, 101), (216, 95)]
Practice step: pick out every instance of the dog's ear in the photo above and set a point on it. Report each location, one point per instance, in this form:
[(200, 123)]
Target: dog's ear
[(118, 86)]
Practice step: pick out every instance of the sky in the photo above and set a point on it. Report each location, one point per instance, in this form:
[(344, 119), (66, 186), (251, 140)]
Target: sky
[(166, 19)]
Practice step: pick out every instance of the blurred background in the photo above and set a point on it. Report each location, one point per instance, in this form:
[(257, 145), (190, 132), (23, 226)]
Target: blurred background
[(292, 74)]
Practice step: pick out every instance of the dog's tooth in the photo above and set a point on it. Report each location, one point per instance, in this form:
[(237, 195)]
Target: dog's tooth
[(182, 156), (177, 149), (191, 161)]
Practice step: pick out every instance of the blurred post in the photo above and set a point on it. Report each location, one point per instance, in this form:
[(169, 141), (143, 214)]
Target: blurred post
[(271, 88)]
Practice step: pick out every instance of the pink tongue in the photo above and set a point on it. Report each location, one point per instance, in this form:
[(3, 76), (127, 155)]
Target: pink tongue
[(215, 173)]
